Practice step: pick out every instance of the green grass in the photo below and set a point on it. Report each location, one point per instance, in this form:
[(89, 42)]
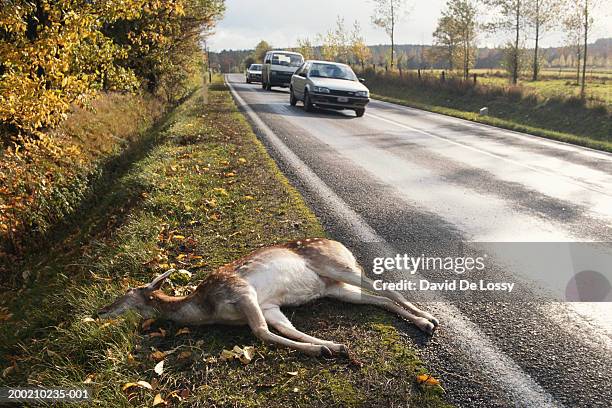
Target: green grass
[(563, 119), (197, 191)]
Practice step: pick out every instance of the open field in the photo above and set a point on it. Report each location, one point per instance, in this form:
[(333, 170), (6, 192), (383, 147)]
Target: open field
[(197, 191), (552, 83)]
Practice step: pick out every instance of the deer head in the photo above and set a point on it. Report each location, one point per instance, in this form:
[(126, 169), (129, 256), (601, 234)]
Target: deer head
[(138, 299)]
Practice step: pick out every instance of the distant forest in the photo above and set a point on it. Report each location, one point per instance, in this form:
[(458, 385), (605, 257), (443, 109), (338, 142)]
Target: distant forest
[(412, 56)]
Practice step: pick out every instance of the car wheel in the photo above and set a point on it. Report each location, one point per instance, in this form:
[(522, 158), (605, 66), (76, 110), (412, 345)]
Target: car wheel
[(308, 107), (360, 112), (292, 99)]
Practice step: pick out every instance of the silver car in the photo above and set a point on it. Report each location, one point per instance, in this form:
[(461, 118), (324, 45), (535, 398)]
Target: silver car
[(253, 73), (328, 85)]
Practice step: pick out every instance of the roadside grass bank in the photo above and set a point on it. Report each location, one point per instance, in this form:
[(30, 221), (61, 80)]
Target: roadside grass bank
[(43, 181), (200, 192), (566, 119)]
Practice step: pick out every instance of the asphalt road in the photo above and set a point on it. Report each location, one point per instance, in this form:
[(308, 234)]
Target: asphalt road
[(401, 175)]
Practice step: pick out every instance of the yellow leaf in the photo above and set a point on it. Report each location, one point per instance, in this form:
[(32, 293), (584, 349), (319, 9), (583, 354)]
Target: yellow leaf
[(249, 197), (158, 400), (242, 160), (230, 174), (157, 355), (144, 384), (427, 379), (178, 237), (141, 384)]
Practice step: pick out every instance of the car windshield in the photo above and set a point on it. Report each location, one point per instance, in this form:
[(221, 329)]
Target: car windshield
[(335, 71), (287, 60), (255, 67)]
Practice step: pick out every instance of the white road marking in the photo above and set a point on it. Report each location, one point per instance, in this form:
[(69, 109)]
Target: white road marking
[(498, 367)]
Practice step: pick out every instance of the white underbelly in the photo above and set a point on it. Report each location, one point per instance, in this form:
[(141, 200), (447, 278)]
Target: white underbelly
[(289, 283)]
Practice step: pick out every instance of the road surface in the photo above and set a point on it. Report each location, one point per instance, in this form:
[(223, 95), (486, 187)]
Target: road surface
[(400, 174)]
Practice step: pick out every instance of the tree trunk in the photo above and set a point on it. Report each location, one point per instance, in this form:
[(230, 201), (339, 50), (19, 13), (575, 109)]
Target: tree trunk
[(392, 35), (584, 56), (536, 67), (515, 68)]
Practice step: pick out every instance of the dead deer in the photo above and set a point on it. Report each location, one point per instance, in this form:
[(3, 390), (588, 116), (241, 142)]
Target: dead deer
[(252, 290)]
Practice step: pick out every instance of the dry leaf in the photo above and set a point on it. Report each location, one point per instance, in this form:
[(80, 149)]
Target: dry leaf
[(178, 237), (249, 197), (89, 379), (427, 379), (87, 319), (247, 355), (157, 355), (184, 330), (292, 373), (160, 333), (242, 160), (183, 355), (158, 400), (159, 367), (146, 325), (227, 355), (9, 370), (141, 384)]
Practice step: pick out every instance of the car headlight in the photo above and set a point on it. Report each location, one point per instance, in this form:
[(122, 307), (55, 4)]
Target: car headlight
[(320, 89), (363, 94)]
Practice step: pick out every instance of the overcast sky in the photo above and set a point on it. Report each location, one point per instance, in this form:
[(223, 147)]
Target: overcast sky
[(282, 22)]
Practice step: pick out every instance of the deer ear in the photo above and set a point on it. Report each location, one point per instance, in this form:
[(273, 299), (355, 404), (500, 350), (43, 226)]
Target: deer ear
[(159, 281)]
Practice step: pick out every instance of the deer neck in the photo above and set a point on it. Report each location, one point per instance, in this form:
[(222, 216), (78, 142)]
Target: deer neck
[(180, 309)]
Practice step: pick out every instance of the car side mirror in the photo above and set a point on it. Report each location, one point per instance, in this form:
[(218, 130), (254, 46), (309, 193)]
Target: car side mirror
[(302, 74), (362, 80)]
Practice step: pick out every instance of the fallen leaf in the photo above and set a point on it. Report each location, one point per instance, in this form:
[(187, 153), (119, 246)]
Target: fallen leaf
[(160, 333), (146, 325), (88, 320), (237, 350), (247, 355), (144, 384), (249, 197), (159, 367), (9, 370), (427, 379), (227, 355), (210, 360), (242, 160), (89, 379), (131, 359), (141, 384), (158, 400), (184, 355), (184, 330), (157, 355), (178, 237), (292, 373)]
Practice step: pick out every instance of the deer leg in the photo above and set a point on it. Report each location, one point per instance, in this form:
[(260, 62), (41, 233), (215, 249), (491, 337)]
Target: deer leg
[(354, 294), (275, 318), (353, 275), (255, 318)]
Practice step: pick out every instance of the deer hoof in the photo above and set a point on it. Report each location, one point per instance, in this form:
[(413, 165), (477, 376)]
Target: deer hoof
[(434, 321), (325, 352), (426, 326)]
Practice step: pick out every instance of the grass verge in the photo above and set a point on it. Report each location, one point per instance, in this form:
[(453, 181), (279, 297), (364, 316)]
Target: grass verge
[(552, 119), (199, 192)]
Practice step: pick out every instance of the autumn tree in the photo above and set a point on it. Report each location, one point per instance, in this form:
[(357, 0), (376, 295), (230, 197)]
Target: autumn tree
[(511, 19), (456, 34), (304, 47), (572, 25), (335, 45), (541, 16), (260, 51), (361, 52), (446, 40), (582, 12), (387, 14)]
